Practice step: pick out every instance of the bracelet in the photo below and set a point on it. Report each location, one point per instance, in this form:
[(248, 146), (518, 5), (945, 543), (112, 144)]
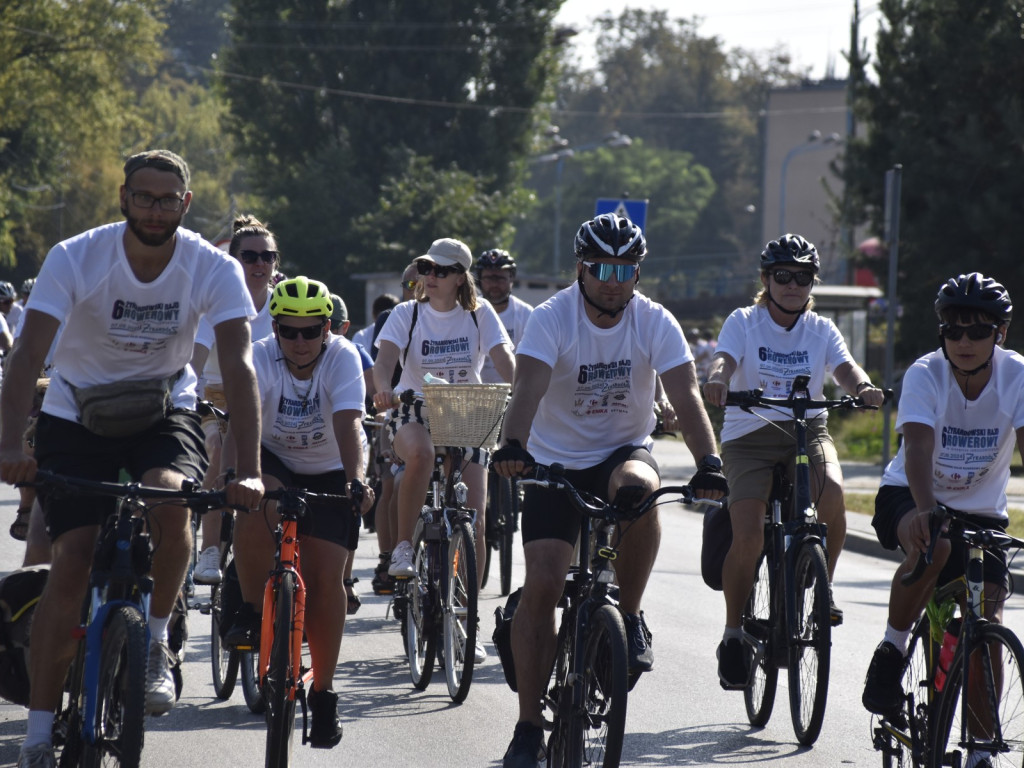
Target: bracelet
[(862, 386)]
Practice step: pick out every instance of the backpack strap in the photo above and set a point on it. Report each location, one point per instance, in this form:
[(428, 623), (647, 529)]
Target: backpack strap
[(415, 317)]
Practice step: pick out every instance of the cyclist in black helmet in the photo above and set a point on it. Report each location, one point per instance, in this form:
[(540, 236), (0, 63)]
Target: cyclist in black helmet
[(496, 277), (961, 412), (766, 345), (584, 397)]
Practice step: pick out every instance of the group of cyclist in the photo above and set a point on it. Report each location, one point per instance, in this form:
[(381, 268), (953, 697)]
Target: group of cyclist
[(146, 304)]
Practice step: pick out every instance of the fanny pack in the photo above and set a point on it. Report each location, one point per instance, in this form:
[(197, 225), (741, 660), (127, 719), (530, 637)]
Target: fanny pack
[(124, 408)]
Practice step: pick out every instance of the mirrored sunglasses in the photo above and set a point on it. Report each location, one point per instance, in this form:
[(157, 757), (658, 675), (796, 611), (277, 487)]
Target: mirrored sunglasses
[(250, 257), (784, 276), (426, 267), (975, 332), (603, 271), (308, 332), (409, 285)]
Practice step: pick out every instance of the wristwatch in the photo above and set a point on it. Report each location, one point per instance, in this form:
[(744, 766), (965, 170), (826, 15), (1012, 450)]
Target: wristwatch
[(711, 462)]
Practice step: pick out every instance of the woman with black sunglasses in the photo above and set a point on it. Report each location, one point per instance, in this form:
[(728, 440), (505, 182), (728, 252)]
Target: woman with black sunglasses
[(766, 346)]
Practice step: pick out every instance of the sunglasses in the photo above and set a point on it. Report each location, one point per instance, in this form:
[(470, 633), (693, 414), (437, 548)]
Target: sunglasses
[(603, 272), (409, 285), (426, 267), (975, 332), (308, 332), (783, 276), (250, 257)]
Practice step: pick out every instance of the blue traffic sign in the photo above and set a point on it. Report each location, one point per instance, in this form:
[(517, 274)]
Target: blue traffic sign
[(634, 210)]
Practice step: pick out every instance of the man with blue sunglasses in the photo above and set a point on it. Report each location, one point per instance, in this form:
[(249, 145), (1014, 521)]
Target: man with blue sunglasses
[(583, 396)]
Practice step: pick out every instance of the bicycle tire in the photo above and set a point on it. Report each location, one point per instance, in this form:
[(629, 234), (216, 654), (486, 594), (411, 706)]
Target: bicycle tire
[(558, 698), (810, 646), (121, 701), (223, 661), (602, 723), (507, 529), (1002, 684), (459, 623), (278, 685), (759, 695), (248, 663), (915, 707), (420, 634)]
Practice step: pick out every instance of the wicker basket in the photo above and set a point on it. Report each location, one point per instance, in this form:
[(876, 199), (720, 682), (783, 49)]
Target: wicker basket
[(466, 415)]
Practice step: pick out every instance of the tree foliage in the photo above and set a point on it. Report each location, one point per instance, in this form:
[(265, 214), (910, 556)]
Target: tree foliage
[(947, 106)]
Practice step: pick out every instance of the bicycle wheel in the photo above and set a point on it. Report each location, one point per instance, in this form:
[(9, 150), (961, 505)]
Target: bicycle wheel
[(994, 706), (420, 635), (278, 685), (558, 698), (599, 728), (507, 532), (759, 695), (224, 661), (460, 611), (810, 643), (912, 720), (121, 701), (248, 661)]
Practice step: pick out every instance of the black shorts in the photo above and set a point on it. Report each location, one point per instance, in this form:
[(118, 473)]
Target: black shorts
[(548, 513), (68, 448), (336, 522), (893, 502)]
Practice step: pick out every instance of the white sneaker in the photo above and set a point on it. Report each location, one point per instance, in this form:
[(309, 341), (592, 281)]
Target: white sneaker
[(479, 653), (37, 756), (159, 681), (208, 568), (401, 561)]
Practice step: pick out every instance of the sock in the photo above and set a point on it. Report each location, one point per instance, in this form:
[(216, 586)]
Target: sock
[(40, 727), (732, 633), (898, 637), (158, 628)]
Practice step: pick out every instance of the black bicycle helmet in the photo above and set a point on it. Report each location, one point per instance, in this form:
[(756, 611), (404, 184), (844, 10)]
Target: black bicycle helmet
[(790, 249), (495, 258), (609, 235), (975, 292)]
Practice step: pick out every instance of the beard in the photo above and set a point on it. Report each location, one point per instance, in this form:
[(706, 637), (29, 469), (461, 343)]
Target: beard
[(152, 239)]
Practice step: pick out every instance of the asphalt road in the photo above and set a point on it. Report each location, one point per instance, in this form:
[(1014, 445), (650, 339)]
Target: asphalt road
[(678, 715)]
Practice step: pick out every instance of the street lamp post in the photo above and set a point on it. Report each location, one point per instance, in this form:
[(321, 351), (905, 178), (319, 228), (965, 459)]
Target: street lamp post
[(814, 141)]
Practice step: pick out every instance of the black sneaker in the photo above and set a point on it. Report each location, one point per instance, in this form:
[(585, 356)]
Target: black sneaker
[(883, 693), (245, 631), (638, 643), (834, 611), (383, 583), (325, 730), (733, 672), (527, 747)]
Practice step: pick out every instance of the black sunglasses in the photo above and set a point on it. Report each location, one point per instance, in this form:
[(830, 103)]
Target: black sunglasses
[(308, 332), (250, 257), (975, 332), (426, 267), (783, 276)]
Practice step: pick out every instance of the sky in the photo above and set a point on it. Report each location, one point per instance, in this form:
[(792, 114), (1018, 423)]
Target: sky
[(816, 32)]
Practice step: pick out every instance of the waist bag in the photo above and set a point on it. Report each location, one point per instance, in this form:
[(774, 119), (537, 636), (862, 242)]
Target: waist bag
[(124, 408)]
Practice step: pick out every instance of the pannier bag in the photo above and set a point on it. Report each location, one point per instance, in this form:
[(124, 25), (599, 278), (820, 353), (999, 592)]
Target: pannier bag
[(20, 591), (502, 637), (717, 539)]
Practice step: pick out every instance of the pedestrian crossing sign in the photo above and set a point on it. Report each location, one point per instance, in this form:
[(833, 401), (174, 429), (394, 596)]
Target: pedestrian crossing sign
[(634, 210)]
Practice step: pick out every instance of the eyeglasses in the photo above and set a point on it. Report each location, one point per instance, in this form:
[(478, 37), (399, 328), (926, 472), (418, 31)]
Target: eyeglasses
[(604, 271), (308, 332), (975, 332), (250, 257), (409, 285), (426, 267), (496, 277), (783, 276), (145, 200)]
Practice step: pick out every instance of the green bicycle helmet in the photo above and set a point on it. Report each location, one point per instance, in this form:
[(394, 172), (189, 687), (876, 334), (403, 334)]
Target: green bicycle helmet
[(301, 297)]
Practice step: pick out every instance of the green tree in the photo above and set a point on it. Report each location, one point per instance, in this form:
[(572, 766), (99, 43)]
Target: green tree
[(946, 105)]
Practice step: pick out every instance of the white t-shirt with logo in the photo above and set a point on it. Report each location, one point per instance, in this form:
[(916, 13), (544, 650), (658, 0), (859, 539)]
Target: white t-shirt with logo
[(298, 426), (261, 326), (514, 319), (447, 345), (118, 328), (601, 394), (769, 357), (974, 439)]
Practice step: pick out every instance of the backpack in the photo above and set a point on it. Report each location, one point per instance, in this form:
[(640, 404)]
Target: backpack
[(20, 591)]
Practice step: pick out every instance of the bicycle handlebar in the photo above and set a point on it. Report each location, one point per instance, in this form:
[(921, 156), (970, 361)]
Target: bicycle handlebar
[(754, 398), (626, 505), (189, 494), (206, 408)]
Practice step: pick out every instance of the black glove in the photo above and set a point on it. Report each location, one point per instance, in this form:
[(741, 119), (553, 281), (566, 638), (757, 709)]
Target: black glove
[(514, 451), (708, 479)]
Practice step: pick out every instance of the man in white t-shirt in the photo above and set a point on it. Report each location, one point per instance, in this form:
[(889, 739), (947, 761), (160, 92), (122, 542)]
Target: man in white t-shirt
[(131, 295), (961, 413), (584, 397), (495, 277)]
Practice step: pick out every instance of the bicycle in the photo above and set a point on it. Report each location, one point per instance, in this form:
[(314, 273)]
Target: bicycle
[(502, 524), (786, 620), (100, 720), (941, 723), (437, 606), (590, 681)]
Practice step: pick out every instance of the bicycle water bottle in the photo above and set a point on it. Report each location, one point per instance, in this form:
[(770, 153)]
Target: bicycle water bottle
[(949, 641), (429, 378)]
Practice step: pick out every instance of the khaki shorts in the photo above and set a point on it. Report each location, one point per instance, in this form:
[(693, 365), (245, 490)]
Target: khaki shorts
[(215, 394), (748, 460)]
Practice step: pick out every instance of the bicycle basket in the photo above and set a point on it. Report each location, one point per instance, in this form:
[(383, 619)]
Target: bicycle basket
[(466, 415)]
